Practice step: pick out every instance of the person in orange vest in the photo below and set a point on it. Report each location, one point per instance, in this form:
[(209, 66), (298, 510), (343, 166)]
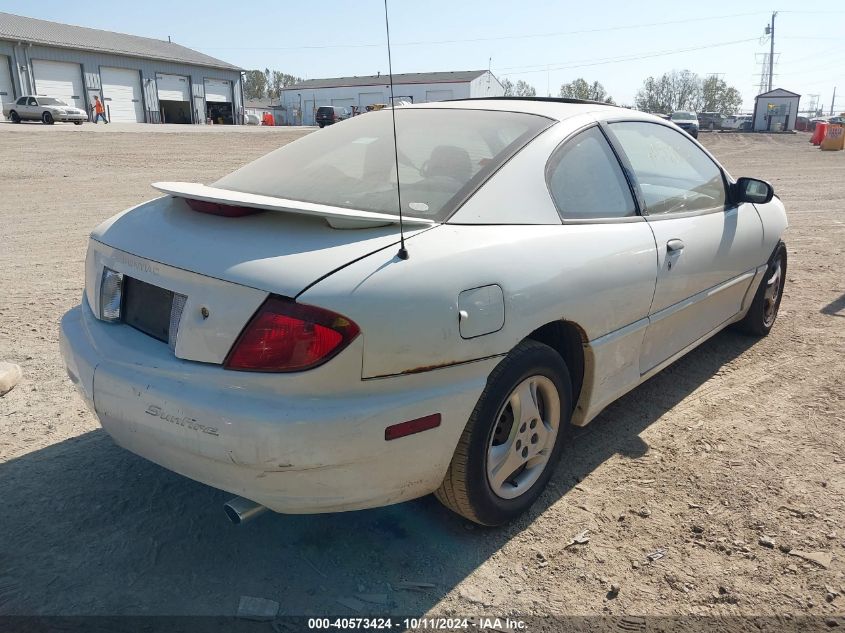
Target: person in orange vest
[(99, 110)]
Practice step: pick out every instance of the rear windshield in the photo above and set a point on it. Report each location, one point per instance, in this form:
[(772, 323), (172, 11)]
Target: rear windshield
[(444, 154), (682, 116), (325, 110)]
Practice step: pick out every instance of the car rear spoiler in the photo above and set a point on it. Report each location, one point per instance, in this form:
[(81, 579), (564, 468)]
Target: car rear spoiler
[(335, 217)]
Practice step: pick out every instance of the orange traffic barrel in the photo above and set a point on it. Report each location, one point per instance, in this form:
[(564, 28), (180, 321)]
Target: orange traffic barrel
[(819, 133)]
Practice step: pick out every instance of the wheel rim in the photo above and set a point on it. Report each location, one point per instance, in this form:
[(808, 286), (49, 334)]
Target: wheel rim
[(772, 295), (524, 437)]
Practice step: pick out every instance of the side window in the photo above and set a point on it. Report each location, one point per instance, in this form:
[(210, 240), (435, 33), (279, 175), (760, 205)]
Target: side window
[(586, 181), (32, 101), (675, 176), (21, 101)]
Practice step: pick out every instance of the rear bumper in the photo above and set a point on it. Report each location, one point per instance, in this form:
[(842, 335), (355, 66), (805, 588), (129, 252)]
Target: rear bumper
[(251, 435)]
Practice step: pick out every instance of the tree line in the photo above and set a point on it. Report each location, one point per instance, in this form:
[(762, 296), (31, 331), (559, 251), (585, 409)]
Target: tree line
[(674, 90), (267, 84)]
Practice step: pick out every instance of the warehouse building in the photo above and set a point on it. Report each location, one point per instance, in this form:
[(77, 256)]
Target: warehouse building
[(775, 111), (139, 79), (301, 101)]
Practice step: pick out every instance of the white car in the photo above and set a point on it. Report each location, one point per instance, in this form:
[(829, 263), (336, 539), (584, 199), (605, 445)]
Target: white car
[(268, 335), (737, 122), (45, 109)]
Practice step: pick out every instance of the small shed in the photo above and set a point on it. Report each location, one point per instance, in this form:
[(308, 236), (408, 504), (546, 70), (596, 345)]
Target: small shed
[(775, 111)]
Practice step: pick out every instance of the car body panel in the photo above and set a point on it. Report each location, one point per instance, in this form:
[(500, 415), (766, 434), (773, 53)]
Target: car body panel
[(600, 276), (277, 252), (214, 313), (702, 285)]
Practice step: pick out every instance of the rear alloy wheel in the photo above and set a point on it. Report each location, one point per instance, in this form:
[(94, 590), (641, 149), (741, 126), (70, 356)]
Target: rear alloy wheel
[(47, 118), (764, 309), (14, 117), (513, 439)]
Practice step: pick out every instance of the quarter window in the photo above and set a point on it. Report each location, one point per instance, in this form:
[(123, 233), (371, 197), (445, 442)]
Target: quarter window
[(586, 181), (674, 175)]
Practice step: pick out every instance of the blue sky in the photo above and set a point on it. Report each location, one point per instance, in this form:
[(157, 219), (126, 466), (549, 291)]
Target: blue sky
[(544, 42)]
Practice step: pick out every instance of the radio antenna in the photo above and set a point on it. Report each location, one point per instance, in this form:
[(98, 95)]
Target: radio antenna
[(403, 252)]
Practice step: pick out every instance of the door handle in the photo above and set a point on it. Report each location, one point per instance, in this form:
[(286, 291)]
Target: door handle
[(674, 246)]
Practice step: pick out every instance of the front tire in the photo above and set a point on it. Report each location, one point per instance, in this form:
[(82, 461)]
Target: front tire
[(47, 118), (764, 308), (14, 117), (513, 439)]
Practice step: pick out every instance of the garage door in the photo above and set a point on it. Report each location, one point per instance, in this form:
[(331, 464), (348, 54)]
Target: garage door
[(343, 103), (62, 80), (122, 94), (7, 91), (438, 95), (173, 87), (218, 90), (369, 98)]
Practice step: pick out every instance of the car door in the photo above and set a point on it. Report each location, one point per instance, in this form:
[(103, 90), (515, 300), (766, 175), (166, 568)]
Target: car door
[(707, 247), (22, 107), (32, 109), (19, 107), (594, 200)]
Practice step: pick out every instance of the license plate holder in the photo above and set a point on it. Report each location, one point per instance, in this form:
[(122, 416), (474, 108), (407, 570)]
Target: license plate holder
[(147, 308)]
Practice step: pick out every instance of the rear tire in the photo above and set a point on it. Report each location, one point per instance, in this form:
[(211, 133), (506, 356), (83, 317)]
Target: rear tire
[(14, 117), (763, 312), (47, 118), (520, 424), (77, 122)]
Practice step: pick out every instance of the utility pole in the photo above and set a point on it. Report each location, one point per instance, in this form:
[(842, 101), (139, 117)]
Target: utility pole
[(770, 30), (833, 101)]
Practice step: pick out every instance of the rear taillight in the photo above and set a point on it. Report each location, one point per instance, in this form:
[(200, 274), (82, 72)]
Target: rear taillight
[(226, 210), (285, 336)]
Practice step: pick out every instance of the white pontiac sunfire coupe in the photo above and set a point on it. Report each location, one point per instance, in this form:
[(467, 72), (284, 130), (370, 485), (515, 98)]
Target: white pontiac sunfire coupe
[(266, 336)]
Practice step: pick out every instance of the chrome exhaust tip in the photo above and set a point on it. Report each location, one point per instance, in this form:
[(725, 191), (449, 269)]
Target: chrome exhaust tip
[(240, 510)]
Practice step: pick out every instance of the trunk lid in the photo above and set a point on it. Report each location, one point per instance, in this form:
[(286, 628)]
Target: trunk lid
[(281, 253)]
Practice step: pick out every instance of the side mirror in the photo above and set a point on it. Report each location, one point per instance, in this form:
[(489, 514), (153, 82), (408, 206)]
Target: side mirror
[(753, 190)]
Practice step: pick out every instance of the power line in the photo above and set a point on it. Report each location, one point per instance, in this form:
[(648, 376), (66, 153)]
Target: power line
[(623, 27), (630, 58)]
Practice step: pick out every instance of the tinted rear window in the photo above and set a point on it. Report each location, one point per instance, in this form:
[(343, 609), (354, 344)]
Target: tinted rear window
[(444, 154)]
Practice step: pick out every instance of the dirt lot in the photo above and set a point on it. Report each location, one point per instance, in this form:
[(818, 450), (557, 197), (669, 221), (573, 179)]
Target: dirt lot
[(739, 440)]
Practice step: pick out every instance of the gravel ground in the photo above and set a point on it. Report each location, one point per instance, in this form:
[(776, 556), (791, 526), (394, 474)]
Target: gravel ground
[(740, 440)]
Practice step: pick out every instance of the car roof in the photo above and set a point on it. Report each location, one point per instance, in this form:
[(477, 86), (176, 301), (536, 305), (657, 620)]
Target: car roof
[(550, 107)]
